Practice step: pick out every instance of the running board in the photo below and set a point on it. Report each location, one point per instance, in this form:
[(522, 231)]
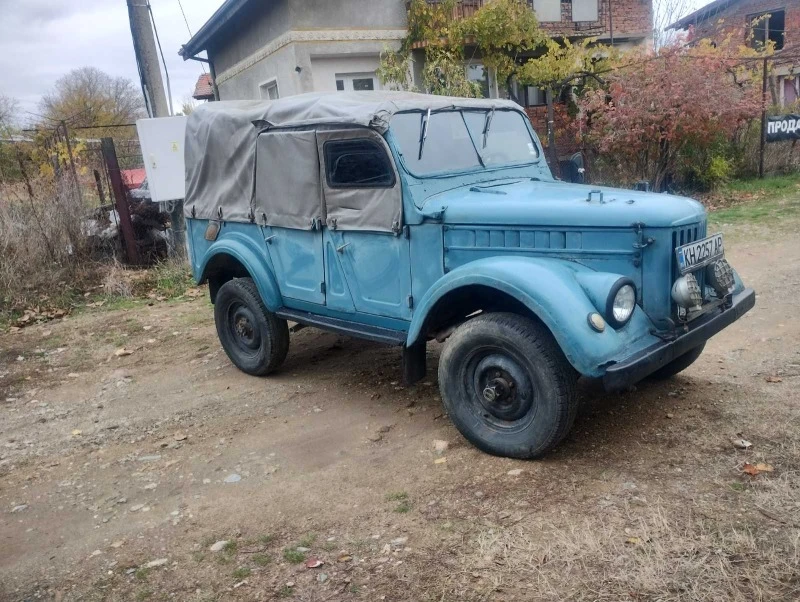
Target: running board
[(346, 327)]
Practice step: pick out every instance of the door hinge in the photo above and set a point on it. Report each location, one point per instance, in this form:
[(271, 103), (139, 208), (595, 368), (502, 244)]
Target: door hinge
[(410, 301), (322, 287), (406, 232)]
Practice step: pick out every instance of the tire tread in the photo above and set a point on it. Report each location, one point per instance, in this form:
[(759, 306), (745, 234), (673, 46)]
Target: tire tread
[(278, 329), (534, 333)]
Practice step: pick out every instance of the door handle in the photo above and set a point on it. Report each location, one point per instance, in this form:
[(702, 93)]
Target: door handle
[(268, 239), (342, 248)]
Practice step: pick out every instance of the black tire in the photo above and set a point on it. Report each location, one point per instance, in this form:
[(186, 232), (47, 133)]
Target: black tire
[(679, 364), (534, 384), (255, 340)]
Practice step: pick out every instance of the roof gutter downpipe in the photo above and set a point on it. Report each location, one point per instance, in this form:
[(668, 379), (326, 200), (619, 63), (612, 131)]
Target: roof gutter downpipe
[(211, 70)]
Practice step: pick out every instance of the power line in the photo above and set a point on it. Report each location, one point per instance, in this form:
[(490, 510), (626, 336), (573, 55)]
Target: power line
[(189, 29)]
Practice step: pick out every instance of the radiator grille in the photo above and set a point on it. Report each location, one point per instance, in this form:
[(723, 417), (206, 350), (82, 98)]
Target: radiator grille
[(681, 236)]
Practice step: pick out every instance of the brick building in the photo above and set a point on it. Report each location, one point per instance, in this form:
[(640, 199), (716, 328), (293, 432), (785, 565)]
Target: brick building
[(755, 22)]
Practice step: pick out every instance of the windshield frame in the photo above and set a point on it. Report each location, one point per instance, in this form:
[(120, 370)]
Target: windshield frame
[(477, 169)]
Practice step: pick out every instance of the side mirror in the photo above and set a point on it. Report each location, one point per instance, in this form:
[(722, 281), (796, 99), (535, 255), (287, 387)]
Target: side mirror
[(573, 169)]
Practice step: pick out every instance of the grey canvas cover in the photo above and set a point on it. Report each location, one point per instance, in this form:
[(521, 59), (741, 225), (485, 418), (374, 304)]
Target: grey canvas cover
[(373, 209), (221, 138), (288, 190)]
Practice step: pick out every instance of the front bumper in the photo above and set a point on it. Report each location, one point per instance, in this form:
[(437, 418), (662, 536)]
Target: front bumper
[(632, 369)]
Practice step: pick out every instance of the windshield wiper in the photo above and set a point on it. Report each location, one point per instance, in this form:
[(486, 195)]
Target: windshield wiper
[(487, 124), (423, 133)]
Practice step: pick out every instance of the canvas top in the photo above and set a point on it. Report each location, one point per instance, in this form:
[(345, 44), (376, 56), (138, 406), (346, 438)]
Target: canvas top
[(370, 109), (220, 149)]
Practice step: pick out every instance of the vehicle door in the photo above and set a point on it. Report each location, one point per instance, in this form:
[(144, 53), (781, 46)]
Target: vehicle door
[(366, 254), (288, 207)]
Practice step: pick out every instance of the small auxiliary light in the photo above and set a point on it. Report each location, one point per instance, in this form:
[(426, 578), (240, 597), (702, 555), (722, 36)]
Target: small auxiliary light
[(596, 321)]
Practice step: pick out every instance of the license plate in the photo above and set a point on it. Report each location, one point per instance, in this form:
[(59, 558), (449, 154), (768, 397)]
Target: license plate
[(699, 253)]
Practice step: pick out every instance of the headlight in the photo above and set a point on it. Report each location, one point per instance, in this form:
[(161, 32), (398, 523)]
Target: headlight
[(621, 303), (686, 292), (720, 277)]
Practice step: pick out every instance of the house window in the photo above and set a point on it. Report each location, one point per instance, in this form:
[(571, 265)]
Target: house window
[(767, 27), (356, 82), (269, 90), (547, 10), (791, 90), (357, 163), (478, 73), (535, 96), (584, 10)]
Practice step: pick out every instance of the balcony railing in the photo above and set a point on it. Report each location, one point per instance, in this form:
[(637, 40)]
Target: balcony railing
[(463, 9)]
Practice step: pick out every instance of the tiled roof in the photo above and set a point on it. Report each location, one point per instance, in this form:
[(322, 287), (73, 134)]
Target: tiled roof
[(203, 89)]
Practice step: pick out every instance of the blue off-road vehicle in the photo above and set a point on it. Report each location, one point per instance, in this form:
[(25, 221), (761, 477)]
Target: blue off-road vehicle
[(402, 218)]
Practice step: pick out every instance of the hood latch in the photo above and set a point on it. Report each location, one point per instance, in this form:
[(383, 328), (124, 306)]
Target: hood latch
[(641, 241)]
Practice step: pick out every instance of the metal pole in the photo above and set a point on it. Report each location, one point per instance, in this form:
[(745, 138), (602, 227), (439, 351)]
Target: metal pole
[(144, 45), (100, 192), (121, 200), (551, 133), (72, 162), (213, 71), (763, 121)]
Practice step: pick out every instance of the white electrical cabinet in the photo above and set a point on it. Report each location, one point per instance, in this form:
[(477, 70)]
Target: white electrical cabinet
[(162, 142)]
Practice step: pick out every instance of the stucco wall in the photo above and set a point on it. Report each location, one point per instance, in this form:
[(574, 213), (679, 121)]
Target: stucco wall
[(324, 69), (350, 14), (280, 65), (257, 24)]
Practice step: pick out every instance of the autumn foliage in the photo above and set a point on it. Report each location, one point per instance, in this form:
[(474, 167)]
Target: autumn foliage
[(660, 111)]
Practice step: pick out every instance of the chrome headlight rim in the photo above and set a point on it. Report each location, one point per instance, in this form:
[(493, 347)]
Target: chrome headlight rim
[(612, 296)]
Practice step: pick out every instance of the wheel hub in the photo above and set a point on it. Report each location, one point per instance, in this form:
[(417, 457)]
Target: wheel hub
[(242, 325), (498, 389), (502, 387)]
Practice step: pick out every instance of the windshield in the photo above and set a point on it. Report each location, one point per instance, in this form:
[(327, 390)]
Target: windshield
[(462, 140)]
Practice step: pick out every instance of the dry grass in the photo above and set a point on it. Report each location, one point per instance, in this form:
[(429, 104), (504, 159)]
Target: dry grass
[(44, 255), (640, 555)]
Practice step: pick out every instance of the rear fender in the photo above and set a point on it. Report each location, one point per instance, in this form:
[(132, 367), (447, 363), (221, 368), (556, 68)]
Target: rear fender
[(560, 293), (247, 252)]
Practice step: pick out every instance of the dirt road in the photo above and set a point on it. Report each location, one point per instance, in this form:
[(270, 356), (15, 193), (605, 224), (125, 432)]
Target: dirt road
[(118, 474)]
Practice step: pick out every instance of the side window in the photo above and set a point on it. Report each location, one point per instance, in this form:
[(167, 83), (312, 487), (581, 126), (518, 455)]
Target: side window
[(357, 163)]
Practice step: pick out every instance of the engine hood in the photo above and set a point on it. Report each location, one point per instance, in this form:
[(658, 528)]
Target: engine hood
[(528, 202)]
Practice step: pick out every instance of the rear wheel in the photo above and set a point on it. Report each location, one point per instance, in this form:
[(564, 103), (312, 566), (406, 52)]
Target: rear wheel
[(255, 340), (679, 364), (507, 386)]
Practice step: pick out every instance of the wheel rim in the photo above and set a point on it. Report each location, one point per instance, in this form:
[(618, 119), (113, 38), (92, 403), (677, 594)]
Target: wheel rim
[(243, 328), (499, 388)]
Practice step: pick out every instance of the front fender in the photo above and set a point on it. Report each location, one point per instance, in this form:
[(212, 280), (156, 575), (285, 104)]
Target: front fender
[(560, 293), (247, 252)]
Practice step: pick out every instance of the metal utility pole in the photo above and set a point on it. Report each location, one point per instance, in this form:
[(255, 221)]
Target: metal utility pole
[(144, 45)]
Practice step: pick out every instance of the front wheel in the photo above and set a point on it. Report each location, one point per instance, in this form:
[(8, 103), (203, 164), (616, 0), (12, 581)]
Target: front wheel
[(507, 386), (254, 338)]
